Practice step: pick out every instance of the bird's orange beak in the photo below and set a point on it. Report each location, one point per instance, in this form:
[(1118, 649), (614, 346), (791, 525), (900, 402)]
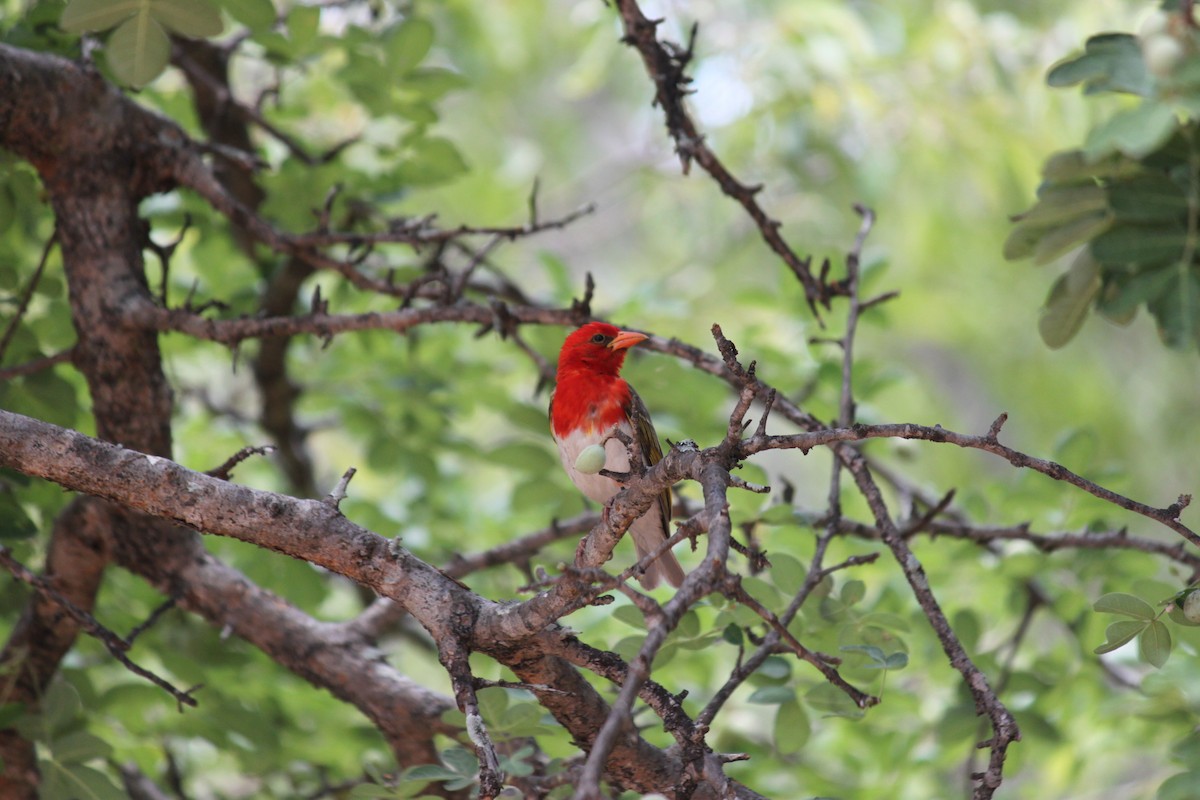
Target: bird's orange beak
[(625, 339)]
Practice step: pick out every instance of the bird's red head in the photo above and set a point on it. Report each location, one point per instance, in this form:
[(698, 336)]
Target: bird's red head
[(597, 347)]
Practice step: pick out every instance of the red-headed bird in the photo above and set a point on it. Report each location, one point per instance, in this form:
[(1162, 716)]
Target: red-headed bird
[(589, 403)]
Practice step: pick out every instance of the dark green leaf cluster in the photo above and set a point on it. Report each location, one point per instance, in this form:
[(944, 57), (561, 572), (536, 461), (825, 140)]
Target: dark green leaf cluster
[(1128, 201)]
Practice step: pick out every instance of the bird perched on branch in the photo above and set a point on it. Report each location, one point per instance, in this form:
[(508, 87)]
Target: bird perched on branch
[(590, 403)]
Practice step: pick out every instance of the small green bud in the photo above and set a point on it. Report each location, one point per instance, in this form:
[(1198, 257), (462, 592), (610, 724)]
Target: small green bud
[(591, 459)]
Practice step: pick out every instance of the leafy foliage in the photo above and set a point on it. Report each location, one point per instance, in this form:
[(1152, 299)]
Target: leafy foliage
[(1129, 196)]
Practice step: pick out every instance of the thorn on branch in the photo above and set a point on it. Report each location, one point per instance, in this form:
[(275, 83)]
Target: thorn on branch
[(338, 494), (729, 353), (994, 431), (326, 212), (320, 307), (1175, 509), (225, 471), (533, 203), (761, 430), (879, 300), (740, 483)]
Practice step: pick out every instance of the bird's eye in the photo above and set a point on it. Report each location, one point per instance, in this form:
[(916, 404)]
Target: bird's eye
[(599, 338)]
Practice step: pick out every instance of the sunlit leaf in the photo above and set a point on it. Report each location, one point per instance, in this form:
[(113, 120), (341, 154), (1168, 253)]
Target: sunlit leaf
[(97, 15), (138, 50), (197, 19), (1134, 132), (1124, 604), (257, 15), (1119, 634), (407, 45), (1110, 62)]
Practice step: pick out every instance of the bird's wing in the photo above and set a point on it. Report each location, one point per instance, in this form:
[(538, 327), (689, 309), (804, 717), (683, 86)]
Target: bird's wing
[(647, 439)]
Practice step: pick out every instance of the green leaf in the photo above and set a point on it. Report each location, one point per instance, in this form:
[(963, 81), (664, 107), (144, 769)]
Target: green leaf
[(1147, 198), (257, 15), (430, 161), (898, 660), (197, 19), (1119, 634), (1177, 310), (689, 625), (407, 45), (1069, 300), (781, 514), (1183, 786), (15, 524), (1124, 604), (1154, 645), (831, 701), (792, 727), (1139, 244), (1135, 132), (432, 83), (788, 572), (776, 668), (303, 24), (772, 695), (733, 633), (461, 760), (1122, 295), (630, 615), (1057, 241), (138, 50), (429, 772), (11, 712), (1175, 615), (96, 15), (1110, 62), (1070, 166), (79, 782), (1057, 204), (78, 747), (1022, 241), (869, 650), (853, 591)]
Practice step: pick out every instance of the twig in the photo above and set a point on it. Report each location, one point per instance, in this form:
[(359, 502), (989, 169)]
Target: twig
[(225, 471), (115, 645), (27, 295), (666, 64)]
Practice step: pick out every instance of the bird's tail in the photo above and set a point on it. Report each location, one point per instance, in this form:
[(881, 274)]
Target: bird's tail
[(666, 567)]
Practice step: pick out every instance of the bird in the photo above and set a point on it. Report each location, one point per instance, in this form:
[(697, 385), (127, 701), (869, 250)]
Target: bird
[(591, 401)]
